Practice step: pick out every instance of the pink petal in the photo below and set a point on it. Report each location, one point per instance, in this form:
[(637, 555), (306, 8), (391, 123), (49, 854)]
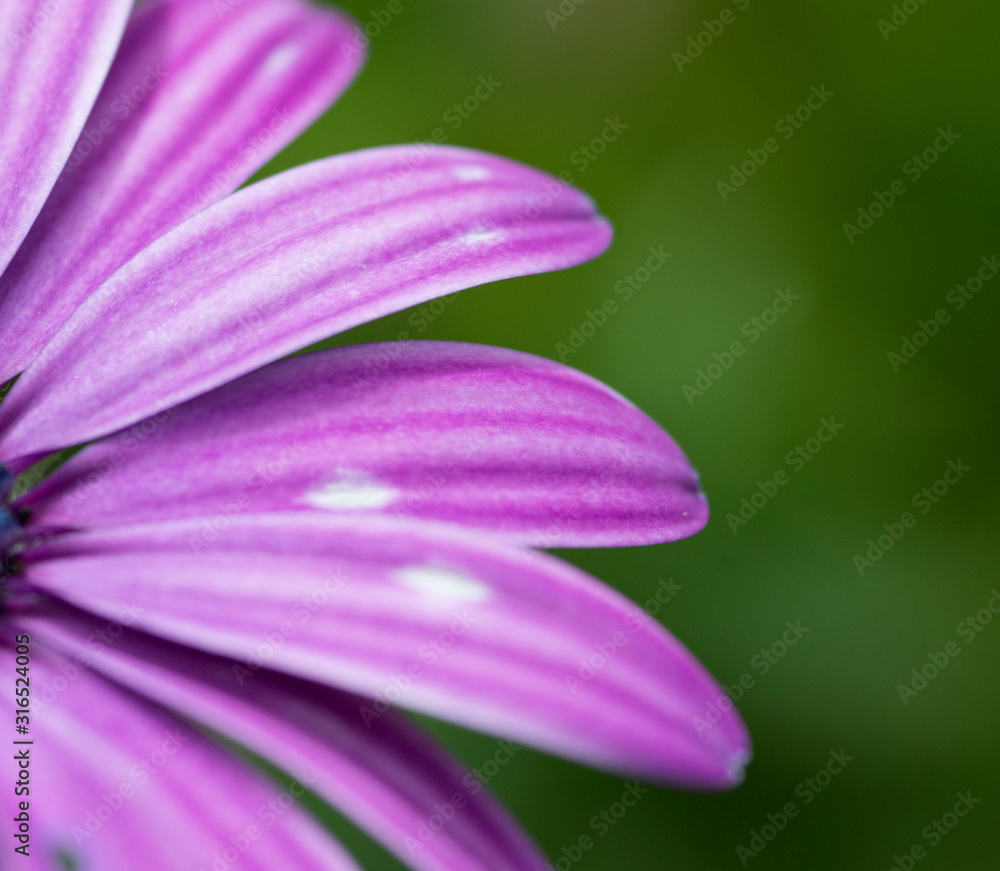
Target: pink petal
[(510, 642), (54, 58), (196, 102), (288, 261), (487, 438), (389, 778), (121, 784)]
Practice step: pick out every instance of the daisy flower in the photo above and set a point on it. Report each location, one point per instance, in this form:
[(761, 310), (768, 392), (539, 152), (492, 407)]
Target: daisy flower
[(282, 550)]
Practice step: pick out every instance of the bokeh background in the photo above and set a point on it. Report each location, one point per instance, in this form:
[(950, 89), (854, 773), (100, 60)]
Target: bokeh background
[(560, 78)]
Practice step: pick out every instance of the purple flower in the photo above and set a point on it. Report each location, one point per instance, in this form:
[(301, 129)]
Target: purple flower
[(283, 552)]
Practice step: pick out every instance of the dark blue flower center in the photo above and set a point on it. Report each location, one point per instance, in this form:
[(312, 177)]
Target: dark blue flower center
[(10, 529)]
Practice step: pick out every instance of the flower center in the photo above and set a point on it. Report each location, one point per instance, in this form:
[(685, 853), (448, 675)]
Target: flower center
[(10, 531)]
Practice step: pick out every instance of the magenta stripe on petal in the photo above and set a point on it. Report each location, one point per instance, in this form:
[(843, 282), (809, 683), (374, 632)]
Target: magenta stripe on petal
[(385, 775), (488, 438), (427, 616), (288, 261), (195, 103), (53, 58), (122, 785)]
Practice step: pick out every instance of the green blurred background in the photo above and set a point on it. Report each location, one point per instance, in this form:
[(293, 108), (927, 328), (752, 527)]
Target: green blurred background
[(837, 688)]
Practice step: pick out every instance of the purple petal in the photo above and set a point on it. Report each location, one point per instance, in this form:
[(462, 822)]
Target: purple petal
[(195, 103), (120, 784), (389, 778), (483, 437), (54, 58), (286, 262), (433, 618)]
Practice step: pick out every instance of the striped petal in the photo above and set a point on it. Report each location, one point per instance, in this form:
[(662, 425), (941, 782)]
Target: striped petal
[(286, 262), (55, 56), (488, 438), (388, 777), (195, 103), (510, 642), (120, 784)]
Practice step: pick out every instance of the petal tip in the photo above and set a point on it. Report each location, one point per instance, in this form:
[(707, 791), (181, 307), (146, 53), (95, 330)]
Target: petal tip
[(738, 763)]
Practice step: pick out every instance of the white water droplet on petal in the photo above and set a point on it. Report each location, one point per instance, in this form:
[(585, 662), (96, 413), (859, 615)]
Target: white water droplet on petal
[(444, 584), (351, 494), (281, 59), (737, 766), (471, 173), (481, 237)]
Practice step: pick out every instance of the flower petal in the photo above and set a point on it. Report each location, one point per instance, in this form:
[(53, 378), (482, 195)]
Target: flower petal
[(121, 784), (54, 58), (510, 642), (487, 438), (288, 261), (388, 777), (195, 103)]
